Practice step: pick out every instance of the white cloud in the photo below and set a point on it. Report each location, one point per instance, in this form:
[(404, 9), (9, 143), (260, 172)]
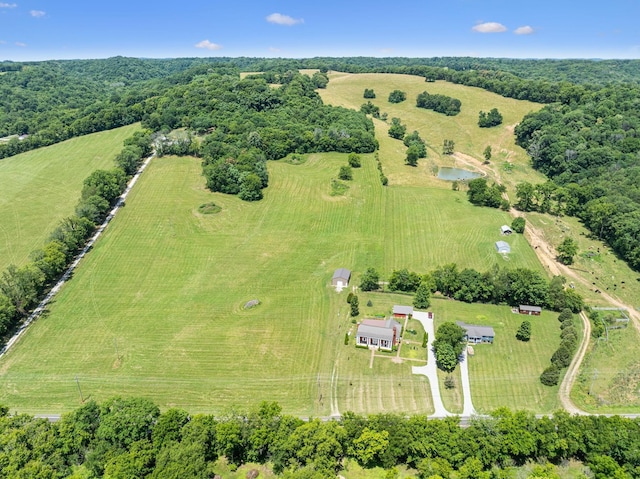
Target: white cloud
[(280, 19), (274, 49), (37, 13), (526, 30), (386, 51), (208, 45), (20, 44), (8, 5), (489, 27)]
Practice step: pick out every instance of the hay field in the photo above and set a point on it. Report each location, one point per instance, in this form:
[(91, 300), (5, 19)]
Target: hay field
[(156, 309), (40, 187)]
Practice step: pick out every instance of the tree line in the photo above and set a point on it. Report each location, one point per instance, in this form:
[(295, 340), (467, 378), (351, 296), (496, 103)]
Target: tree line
[(22, 288), (131, 437), (498, 285)]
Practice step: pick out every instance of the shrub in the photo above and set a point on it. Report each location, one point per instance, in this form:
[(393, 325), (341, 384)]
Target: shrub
[(369, 93), (397, 96), (354, 160), (345, 173), (562, 357), (524, 331), (346, 338), (550, 376), (518, 225)]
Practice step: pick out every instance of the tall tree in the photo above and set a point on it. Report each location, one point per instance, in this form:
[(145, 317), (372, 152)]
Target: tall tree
[(370, 279), (567, 250)]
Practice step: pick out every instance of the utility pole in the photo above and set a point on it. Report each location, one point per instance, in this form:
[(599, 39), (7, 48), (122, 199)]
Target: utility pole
[(79, 390)]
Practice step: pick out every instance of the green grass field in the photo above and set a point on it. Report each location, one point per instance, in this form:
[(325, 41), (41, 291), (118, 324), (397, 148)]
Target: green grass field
[(345, 89), (40, 187), (156, 309), (507, 371)]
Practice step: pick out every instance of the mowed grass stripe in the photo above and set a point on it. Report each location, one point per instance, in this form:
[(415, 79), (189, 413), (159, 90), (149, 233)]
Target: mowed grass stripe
[(40, 187), (507, 372)]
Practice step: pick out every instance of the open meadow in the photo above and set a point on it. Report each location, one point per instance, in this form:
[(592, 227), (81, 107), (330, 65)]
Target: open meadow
[(41, 187), (509, 163), (156, 308)]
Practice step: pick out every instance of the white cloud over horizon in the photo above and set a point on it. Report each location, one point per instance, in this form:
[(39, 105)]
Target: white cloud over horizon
[(8, 5), (280, 19), (489, 27), (525, 30), (37, 13), (20, 44), (208, 45)]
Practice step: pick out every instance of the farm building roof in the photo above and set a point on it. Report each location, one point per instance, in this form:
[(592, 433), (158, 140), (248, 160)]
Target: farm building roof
[(506, 229), (399, 309), (526, 307), (503, 247), (342, 273)]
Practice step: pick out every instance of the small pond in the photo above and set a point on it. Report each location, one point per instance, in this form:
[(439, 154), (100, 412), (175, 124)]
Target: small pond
[(453, 174)]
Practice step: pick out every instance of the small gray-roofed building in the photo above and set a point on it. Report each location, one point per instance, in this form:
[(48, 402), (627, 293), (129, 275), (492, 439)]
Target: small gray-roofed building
[(530, 310), (380, 334), (341, 277), (400, 311), (506, 230), (477, 334), (503, 247)]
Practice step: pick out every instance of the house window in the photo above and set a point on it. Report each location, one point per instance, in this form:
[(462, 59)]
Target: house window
[(374, 341), (362, 340)]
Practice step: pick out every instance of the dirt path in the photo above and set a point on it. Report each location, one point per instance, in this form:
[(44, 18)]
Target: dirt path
[(547, 256)]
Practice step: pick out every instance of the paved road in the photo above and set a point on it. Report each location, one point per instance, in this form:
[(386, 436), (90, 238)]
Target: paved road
[(467, 408)]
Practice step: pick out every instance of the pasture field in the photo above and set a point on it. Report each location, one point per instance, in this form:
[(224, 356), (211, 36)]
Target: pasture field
[(40, 187), (507, 372), (156, 309), (346, 89)]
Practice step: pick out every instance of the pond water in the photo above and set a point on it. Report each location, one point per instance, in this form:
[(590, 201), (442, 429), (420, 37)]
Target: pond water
[(453, 174)]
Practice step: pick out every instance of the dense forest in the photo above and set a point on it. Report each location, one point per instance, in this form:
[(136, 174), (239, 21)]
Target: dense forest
[(132, 438)]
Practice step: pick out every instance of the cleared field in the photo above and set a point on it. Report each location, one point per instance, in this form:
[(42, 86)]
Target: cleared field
[(507, 371), (345, 89), (156, 309), (40, 187)]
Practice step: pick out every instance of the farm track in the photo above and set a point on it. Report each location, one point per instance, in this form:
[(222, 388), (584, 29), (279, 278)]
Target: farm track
[(547, 255)]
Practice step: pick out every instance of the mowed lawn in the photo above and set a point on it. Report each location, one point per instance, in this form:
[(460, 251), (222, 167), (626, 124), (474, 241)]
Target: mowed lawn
[(506, 373), (40, 187), (156, 308)]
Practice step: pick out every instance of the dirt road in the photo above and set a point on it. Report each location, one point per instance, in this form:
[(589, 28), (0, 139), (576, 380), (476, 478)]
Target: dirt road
[(547, 256)]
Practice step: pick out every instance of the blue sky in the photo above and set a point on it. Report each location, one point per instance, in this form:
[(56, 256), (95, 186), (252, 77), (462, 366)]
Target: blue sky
[(50, 29)]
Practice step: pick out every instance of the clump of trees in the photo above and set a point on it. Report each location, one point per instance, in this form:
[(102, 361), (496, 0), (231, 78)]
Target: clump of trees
[(439, 103), (397, 130), (448, 147), (345, 173), (370, 280), (567, 250), (320, 80), (397, 96), (370, 109), (369, 93), (487, 120), (354, 160), (480, 193), (448, 345), (518, 224), (416, 148)]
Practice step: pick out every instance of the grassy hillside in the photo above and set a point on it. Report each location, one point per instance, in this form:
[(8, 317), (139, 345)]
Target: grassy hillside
[(156, 309), (347, 90), (39, 188)]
